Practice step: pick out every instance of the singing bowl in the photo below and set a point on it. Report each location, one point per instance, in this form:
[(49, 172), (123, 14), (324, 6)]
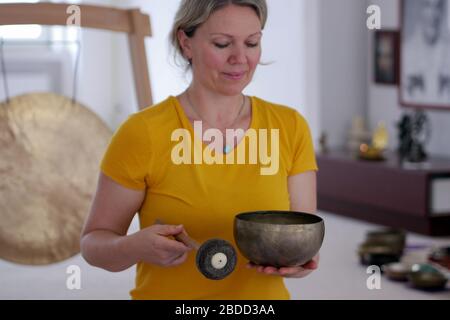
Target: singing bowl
[(397, 271), (393, 238), (278, 238), (426, 277), (377, 254)]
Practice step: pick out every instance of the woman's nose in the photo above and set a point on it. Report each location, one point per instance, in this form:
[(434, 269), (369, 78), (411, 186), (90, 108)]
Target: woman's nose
[(238, 55)]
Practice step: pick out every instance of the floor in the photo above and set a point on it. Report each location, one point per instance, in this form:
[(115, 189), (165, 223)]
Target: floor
[(340, 275)]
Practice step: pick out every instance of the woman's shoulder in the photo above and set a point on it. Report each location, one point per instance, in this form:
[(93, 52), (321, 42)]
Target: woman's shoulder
[(155, 111), (277, 110), (273, 106), (143, 122)]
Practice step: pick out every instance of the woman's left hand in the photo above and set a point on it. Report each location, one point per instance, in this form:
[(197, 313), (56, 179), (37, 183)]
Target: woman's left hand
[(288, 272)]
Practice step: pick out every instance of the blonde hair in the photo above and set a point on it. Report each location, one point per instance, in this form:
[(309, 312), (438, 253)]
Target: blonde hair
[(193, 13)]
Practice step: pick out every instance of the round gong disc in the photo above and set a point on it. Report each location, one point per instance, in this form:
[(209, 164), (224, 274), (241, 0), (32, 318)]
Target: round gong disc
[(50, 151)]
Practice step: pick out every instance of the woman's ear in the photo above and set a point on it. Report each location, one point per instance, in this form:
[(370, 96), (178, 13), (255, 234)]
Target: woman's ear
[(185, 44)]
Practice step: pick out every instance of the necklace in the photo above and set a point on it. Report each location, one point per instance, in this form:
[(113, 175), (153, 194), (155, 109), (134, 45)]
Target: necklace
[(227, 148)]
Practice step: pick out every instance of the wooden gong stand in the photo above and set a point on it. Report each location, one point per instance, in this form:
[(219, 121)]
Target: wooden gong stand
[(131, 21)]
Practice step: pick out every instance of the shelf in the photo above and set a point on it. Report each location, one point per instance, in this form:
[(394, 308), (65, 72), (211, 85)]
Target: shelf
[(386, 192)]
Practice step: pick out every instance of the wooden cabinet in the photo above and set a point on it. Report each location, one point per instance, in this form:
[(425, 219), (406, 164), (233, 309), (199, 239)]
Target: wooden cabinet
[(385, 192)]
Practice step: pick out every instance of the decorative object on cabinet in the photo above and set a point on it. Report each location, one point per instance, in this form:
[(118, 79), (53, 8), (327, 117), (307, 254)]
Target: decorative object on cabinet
[(414, 132)]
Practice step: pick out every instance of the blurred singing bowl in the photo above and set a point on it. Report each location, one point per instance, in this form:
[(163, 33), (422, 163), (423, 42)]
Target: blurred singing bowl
[(397, 271), (278, 238), (377, 254), (394, 238), (426, 277)]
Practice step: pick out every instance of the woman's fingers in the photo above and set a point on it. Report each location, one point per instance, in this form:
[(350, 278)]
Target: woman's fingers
[(297, 272), (179, 260), (168, 230), (158, 247), (291, 270), (263, 269), (269, 270), (310, 265)]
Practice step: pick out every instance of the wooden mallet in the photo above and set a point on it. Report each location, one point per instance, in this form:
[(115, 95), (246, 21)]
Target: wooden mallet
[(215, 258)]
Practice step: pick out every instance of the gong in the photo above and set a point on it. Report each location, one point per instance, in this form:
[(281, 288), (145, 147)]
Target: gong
[(50, 151)]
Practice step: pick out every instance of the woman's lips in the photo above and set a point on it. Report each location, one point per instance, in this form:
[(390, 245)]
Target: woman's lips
[(234, 75)]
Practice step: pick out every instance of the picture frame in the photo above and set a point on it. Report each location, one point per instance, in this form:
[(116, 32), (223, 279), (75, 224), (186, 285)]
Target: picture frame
[(386, 57), (425, 54)]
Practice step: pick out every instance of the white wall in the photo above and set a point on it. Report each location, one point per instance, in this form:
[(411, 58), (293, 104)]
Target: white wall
[(383, 100), (283, 43), (342, 82), (311, 31), (95, 80), (94, 75)]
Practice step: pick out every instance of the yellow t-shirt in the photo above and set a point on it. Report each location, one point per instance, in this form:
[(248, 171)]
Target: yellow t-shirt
[(205, 197)]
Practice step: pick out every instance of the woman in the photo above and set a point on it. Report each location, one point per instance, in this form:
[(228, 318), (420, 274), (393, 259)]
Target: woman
[(221, 43)]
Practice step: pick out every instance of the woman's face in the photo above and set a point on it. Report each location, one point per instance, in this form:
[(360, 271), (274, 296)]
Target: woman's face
[(225, 50)]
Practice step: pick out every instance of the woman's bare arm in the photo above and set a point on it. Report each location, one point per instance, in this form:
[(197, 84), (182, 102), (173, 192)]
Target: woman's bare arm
[(303, 192), (104, 242)]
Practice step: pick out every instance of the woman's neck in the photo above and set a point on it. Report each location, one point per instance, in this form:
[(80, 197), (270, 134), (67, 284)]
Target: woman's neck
[(214, 108)]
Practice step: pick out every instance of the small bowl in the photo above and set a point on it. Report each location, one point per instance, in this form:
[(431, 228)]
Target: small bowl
[(426, 277), (377, 254), (397, 271), (278, 238), (393, 238)]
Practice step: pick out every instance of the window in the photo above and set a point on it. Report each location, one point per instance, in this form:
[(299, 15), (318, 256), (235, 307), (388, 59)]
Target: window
[(39, 56), (21, 32), (29, 33)]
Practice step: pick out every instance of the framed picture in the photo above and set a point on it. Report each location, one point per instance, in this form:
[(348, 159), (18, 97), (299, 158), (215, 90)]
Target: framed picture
[(425, 54), (386, 57)]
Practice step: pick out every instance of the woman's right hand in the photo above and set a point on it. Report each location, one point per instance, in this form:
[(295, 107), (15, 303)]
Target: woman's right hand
[(152, 245)]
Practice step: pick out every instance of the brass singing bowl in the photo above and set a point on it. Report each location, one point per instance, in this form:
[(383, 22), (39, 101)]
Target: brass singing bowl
[(424, 276), (393, 238), (397, 271), (278, 238)]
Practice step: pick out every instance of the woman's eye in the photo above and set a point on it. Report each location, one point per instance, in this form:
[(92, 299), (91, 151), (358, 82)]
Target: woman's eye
[(221, 46), (224, 45)]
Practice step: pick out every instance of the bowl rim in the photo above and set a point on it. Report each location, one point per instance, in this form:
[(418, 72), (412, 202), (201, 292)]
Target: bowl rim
[(315, 219)]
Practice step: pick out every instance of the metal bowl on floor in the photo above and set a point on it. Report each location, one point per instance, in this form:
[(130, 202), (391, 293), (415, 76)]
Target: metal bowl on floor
[(278, 238), (394, 238), (427, 277), (397, 271), (377, 254)]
